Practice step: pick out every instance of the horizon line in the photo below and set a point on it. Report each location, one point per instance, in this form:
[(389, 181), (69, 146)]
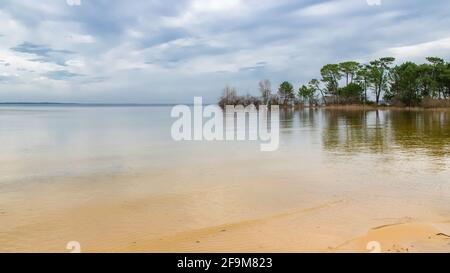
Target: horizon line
[(93, 103)]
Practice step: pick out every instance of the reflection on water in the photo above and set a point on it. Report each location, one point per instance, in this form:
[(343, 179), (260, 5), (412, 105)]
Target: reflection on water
[(424, 132), (81, 140)]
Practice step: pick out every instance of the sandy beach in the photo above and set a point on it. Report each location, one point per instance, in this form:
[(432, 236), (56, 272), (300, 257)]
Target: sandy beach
[(215, 219)]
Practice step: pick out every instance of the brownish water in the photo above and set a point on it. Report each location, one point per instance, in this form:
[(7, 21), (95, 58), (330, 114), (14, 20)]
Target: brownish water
[(113, 179)]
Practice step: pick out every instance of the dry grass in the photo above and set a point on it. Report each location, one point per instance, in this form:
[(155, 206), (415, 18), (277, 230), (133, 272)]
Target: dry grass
[(435, 103)]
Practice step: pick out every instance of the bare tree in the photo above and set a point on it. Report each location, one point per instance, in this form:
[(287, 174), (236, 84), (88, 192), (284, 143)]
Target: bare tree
[(265, 88), (229, 96)]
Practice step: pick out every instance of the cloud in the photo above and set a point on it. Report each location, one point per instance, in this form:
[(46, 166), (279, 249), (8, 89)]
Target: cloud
[(45, 53), (80, 38), (327, 8), (4, 63), (8, 78), (166, 51), (440, 47), (95, 80), (257, 66), (61, 75), (40, 50)]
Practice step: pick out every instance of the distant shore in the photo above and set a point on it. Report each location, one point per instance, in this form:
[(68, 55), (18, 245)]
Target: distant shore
[(331, 106), (83, 104)]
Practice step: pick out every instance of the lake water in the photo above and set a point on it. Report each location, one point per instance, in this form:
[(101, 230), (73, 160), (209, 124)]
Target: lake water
[(59, 158)]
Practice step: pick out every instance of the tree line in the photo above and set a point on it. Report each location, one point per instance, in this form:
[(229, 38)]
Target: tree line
[(375, 83)]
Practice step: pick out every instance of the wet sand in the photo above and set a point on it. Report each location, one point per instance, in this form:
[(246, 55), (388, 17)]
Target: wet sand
[(206, 218)]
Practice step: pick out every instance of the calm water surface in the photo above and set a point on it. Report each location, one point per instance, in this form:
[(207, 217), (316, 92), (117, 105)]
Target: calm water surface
[(401, 154), (41, 143)]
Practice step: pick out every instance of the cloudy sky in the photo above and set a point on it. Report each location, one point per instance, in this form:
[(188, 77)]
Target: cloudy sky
[(157, 51)]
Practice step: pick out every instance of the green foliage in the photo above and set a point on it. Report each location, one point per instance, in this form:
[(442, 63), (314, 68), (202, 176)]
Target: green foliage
[(352, 93), (412, 83), (286, 92), (315, 85), (307, 93), (363, 78), (379, 74), (330, 77), (349, 70), (406, 84)]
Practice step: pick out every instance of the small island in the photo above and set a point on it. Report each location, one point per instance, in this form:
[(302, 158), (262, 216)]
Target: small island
[(375, 84)]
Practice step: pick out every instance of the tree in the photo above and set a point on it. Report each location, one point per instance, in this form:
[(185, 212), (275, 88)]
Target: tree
[(314, 84), (349, 70), (444, 79), (351, 93), (265, 90), (408, 83), (331, 76), (379, 75), (437, 70), (229, 97), (306, 93), (363, 79), (405, 84), (286, 92), (427, 85)]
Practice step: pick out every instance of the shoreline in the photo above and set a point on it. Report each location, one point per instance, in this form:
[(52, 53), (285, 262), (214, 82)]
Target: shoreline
[(371, 108), (266, 237)]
